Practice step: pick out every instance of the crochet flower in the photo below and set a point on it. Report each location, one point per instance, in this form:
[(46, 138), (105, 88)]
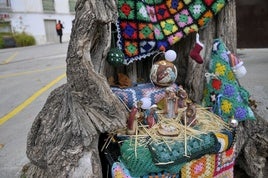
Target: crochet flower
[(131, 48), (205, 18), (183, 18), (220, 69), (216, 84), (225, 56), (142, 13), (126, 9), (218, 6), (231, 76), (240, 113), (226, 106), (157, 32), (229, 90)]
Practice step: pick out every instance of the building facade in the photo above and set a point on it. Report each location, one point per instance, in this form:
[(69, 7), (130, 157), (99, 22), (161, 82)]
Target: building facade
[(37, 18), (252, 23)]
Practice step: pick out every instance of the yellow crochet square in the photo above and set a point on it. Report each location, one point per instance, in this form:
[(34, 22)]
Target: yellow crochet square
[(201, 168)]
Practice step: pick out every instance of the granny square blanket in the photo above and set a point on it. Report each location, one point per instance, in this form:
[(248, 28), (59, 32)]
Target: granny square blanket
[(131, 95), (148, 26)]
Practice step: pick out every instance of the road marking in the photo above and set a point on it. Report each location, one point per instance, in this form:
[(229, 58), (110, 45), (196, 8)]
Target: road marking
[(30, 72), (30, 100), (9, 59)]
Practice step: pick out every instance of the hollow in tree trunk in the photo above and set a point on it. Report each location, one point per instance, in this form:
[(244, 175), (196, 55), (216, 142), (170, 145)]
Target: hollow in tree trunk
[(63, 140)]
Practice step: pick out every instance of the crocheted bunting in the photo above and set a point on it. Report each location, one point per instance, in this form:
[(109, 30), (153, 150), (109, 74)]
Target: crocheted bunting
[(201, 168), (131, 95), (224, 163), (223, 93), (148, 26)]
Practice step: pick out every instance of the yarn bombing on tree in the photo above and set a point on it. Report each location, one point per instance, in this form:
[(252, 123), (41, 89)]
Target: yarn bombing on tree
[(148, 26)]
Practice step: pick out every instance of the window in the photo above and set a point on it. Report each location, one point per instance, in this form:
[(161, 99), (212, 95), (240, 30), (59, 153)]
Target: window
[(4, 3), (5, 27), (48, 5), (72, 5)]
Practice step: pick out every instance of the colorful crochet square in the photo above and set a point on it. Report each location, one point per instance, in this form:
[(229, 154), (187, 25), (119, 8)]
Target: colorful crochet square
[(148, 26), (201, 168), (119, 170), (222, 92), (224, 163), (131, 95)]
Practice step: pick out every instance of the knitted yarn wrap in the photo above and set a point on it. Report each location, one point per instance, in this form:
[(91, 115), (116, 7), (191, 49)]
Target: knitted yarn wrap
[(138, 160), (133, 94), (222, 91), (148, 26), (174, 152)]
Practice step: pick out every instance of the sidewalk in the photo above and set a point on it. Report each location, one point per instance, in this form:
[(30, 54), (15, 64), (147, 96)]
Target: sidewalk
[(256, 79)]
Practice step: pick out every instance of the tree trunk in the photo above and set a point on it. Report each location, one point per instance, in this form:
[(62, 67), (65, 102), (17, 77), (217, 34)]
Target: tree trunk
[(63, 140)]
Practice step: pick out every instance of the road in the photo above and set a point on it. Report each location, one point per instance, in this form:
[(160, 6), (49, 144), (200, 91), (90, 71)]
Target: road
[(256, 79), (27, 76)]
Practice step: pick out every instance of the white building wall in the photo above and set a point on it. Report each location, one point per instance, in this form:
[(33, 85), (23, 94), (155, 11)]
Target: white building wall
[(28, 16), (26, 6)]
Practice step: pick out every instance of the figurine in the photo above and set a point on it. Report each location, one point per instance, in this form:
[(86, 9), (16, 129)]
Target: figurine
[(135, 115), (190, 114), (171, 103), (182, 97), (168, 130), (152, 117)]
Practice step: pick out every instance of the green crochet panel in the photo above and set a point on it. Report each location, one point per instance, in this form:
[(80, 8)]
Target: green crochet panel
[(230, 99), (173, 152), (139, 161)]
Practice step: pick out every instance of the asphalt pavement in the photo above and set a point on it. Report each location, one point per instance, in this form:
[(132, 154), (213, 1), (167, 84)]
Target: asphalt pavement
[(256, 79), (28, 75)]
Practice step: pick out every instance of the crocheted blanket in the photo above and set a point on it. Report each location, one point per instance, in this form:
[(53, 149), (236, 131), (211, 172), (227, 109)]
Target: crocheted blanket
[(223, 92), (133, 94), (147, 26), (138, 163), (141, 158)]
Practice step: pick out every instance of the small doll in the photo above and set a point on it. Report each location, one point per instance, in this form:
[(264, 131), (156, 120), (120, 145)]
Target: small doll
[(152, 117), (190, 114), (171, 103), (182, 97), (135, 115)]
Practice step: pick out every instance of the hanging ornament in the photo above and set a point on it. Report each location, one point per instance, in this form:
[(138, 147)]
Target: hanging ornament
[(195, 52), (115, 57), (233, 122), (170, 55), (164, 72)]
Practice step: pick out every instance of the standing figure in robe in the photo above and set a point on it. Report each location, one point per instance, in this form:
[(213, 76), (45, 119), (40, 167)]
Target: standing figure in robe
[(171, 103), (152, 117), (135, 115)]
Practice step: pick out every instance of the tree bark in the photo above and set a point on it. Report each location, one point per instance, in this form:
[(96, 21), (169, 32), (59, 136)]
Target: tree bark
[(63, 140)]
